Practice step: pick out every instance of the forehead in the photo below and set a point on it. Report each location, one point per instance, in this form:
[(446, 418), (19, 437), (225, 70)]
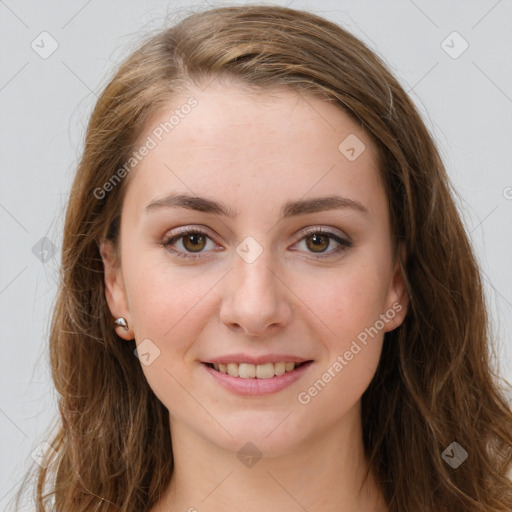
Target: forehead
[(241, 145)]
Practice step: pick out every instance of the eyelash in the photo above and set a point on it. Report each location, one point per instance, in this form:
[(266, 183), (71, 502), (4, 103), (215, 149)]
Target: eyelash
[(344, 244)]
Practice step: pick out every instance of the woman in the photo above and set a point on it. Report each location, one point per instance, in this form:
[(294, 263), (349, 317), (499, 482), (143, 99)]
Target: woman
[(262, 218)]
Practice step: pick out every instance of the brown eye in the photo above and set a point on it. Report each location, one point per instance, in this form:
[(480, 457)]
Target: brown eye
[(190, 243), (194, 242), (317, 242)]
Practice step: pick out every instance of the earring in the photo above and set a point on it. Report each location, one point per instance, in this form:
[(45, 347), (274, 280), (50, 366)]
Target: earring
[(121, 322)]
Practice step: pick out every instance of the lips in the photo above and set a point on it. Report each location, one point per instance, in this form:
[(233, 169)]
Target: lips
[(265, 380)]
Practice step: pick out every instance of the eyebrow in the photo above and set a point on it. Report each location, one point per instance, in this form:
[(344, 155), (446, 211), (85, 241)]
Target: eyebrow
[(289, 209)]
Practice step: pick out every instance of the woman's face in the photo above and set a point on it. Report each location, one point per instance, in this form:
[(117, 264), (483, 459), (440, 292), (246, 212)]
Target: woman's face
[(288, 259)]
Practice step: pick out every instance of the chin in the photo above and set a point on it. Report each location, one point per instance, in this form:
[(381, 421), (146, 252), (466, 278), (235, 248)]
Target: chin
[(273, 433)]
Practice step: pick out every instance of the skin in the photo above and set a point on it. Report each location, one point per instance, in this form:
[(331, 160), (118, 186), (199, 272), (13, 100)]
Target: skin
[(254, 152)]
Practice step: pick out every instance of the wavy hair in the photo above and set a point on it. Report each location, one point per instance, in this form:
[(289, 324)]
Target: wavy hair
[(435, 383)]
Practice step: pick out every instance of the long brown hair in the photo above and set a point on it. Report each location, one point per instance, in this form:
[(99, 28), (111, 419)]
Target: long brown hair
[(435, 383)]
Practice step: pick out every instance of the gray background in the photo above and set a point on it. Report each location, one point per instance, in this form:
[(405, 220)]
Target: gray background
[(466, 101)]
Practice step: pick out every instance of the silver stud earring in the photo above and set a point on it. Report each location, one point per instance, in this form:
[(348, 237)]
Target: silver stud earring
[(121, 322)]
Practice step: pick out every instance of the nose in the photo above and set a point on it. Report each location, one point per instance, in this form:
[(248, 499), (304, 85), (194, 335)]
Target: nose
[(256, 300)]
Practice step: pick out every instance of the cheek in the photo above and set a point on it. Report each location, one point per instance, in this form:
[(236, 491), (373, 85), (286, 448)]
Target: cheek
[(337, 387), (170, 310), (352, 308), (164, 297), (347, 301), (357, 302)]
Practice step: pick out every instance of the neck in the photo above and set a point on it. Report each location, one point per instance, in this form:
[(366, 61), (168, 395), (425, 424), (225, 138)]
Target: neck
[(324, 474)]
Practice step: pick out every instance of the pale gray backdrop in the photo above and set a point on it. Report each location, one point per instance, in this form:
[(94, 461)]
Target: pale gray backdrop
[(452, 57)]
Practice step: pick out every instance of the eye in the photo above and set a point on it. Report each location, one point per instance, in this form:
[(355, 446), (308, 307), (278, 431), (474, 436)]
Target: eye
[(193, 241), (318, 240)]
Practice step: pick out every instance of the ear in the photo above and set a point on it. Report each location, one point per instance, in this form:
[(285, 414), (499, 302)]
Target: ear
[(397, 303), (115, 292)]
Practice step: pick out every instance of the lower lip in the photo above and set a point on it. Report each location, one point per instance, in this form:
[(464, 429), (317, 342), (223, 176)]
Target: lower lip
[(257, 387)]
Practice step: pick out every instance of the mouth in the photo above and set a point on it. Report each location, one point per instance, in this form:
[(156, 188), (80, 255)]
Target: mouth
[(257, 371)]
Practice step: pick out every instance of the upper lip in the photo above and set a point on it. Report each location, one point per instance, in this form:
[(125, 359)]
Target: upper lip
[(268, 358)]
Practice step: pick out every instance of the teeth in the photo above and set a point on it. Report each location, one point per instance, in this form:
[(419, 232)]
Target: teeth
[(246, 371), (251, 371), (265, 371), (280, 368), (233, 369)]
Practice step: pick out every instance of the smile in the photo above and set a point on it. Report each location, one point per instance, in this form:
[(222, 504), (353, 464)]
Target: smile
[(256, 379), (255, 371)]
